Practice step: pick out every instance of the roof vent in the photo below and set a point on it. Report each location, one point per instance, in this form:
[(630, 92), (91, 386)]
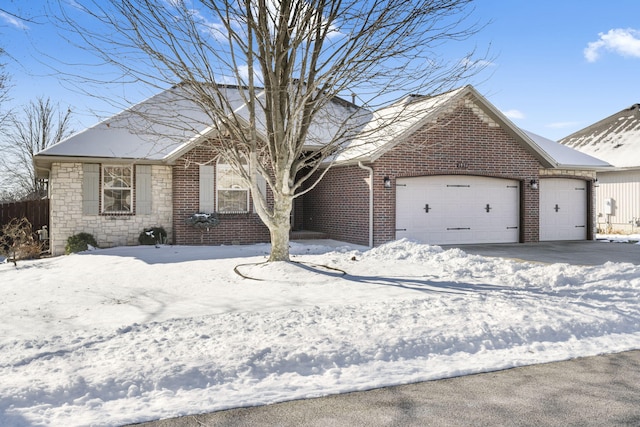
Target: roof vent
[(413, 97)]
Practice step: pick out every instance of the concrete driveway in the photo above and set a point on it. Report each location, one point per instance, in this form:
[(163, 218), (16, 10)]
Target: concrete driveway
[(577, 253)]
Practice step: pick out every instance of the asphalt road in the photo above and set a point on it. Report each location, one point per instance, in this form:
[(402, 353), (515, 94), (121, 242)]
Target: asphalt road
[(593, 391)]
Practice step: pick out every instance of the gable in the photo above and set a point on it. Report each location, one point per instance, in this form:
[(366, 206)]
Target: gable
[(396, 123), (464, 140)]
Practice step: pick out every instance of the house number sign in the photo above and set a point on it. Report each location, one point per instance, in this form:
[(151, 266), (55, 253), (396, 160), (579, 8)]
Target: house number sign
[(462, 165)]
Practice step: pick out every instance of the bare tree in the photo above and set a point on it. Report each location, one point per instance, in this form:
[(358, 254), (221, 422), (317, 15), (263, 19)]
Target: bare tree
[(291, 59), (39, 125), (4, 93), (6, 192)]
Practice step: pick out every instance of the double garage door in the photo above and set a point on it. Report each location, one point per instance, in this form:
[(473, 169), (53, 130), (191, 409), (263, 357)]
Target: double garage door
[(459, 209)]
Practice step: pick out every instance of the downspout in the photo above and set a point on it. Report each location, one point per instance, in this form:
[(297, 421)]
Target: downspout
[(370, 169)]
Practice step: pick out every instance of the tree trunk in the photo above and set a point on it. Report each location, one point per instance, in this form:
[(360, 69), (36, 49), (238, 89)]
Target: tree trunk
[(279, 228)]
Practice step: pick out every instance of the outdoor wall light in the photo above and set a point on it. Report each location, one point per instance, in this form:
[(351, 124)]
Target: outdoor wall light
[(387, 182), (534, 184)]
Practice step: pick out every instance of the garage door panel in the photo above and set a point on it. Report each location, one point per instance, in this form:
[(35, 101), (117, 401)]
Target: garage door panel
[(457, 209), (563, 209)]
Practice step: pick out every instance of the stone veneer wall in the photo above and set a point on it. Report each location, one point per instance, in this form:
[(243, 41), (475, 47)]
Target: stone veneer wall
[(66, 218)]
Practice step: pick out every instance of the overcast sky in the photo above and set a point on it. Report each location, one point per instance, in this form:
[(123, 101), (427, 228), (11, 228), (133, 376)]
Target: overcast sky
[(556, 65)]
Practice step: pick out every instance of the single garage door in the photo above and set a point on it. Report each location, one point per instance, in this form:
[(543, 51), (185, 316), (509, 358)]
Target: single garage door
[(563, 209), (453, 209)]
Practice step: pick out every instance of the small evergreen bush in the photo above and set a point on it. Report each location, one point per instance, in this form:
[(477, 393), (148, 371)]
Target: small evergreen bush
[(152, 236), (79, 242)]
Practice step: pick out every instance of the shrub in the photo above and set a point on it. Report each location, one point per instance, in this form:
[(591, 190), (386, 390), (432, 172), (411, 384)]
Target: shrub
[(79, 242), (152, 236), (17, 240)]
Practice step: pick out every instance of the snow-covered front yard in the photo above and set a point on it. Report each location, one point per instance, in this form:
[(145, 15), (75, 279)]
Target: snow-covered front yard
[(123, 335)]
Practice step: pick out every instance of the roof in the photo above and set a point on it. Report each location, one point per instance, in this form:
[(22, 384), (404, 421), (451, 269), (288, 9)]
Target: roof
[(150, 130), (164, 126), (615, 139), (566, 157), (391, 125)]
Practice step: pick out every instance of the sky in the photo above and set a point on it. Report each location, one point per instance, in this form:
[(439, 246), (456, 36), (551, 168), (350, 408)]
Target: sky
[(130, 334), (555, 66)]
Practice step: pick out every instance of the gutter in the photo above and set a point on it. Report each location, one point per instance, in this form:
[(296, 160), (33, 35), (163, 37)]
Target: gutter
[(370, 170)]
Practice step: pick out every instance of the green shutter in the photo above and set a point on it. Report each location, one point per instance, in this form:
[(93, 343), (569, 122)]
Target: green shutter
[(206, 189), (143, 189), (91, 189)]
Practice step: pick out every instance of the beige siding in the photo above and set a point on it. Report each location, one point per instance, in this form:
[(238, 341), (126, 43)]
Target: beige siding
[(67, 217), (623, 188)]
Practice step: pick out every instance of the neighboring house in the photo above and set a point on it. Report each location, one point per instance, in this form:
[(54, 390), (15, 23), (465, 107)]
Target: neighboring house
[(444, 169), (616, 140)]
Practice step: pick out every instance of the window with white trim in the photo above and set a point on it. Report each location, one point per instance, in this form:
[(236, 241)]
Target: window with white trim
[(117, 189), (231, 192)]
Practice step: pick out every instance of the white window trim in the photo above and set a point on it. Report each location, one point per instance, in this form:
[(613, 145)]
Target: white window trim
[(221, 165), (131, 188)]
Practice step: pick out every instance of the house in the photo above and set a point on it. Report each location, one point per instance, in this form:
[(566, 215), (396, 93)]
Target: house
[(443, 169), (616, 140)]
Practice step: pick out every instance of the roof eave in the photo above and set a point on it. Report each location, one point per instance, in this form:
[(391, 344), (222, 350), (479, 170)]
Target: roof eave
[(585, 167), (42, 163), (622, 169)]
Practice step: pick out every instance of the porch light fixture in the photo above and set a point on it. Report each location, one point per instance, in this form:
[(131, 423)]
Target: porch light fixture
[(387, 182), (533, 184), (596, 183)]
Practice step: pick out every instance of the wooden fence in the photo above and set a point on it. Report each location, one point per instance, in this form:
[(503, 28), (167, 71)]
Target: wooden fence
[(36, 211)]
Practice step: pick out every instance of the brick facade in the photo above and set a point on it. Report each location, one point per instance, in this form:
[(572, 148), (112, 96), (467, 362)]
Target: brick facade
[(464, 141), (339, 205), (233, 228)]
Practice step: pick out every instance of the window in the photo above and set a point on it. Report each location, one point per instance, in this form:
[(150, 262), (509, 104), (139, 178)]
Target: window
[(117, 188), (232, 194), (111, 187)]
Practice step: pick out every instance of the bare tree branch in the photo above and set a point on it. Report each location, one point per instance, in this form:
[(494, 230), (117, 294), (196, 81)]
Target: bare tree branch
[(38, 126), (290, 62)]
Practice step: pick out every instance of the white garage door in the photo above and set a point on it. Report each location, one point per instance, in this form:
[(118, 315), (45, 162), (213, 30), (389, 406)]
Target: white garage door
[(563, 209), (453, 209)]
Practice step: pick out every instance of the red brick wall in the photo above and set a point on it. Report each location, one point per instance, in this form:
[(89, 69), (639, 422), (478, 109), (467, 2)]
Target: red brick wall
[(458, 143), (339, 205), (233, 228)]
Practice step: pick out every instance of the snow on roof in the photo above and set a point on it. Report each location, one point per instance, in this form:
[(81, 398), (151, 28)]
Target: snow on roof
[(151, 130), (389, 124), (615, 139), (167, 123), (566, 157)]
